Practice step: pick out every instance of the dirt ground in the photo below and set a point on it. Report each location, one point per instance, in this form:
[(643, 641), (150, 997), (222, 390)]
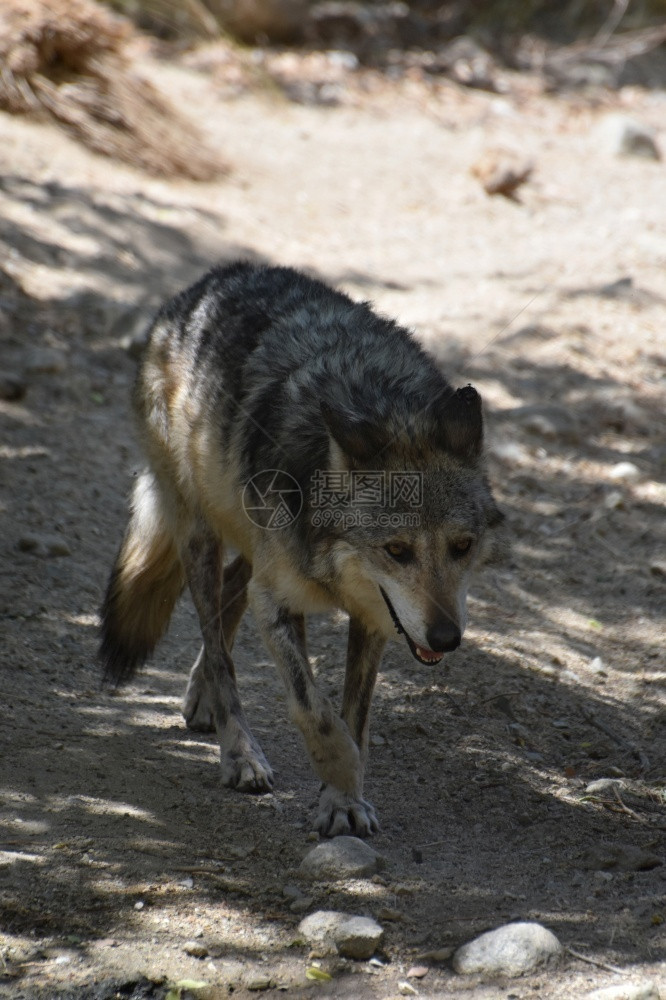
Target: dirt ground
[(118, 845)]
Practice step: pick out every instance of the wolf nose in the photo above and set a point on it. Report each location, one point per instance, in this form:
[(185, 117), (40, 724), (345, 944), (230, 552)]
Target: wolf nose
[(443, 637)]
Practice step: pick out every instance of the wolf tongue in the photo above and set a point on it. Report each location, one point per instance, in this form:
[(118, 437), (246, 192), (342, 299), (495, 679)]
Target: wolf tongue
[(428, 654)]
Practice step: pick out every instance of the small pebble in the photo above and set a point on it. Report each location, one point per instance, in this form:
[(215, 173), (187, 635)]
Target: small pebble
[(621, 135), (417, 972), (301, 904), (256, 982), (604, 786), (625, 472), (406, 989), (613, 500), (196, 949)]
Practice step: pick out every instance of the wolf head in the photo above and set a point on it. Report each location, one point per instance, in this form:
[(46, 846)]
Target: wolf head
[(412, 517)]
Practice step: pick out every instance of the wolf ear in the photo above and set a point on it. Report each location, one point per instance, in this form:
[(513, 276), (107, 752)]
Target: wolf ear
[(359, 438), (460, 423)]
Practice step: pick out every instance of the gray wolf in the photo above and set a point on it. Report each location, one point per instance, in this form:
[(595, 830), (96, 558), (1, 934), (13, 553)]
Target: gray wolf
[(318, 448)]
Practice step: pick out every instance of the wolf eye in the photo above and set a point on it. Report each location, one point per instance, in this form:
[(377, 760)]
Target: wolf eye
[(399, 551), (460, 547)]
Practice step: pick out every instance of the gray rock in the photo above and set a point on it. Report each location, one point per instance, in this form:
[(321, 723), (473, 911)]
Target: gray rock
[(626, 991), (511, 950), (621, 135), (301, 904), (359, 937), (329, 932), (340, 858)]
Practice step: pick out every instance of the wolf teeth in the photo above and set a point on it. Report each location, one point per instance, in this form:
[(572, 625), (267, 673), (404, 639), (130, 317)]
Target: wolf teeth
[(428, 655)]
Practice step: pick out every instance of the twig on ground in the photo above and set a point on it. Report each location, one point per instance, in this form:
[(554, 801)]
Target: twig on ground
[(625, 809), (594, 961)]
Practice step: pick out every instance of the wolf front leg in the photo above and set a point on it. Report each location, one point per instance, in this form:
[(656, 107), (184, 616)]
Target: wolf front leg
[(335, 754), (243, 763), (364, 653)]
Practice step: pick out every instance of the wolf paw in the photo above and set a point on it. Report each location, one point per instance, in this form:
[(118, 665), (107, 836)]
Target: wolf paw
[(340, 813), (245, 768)]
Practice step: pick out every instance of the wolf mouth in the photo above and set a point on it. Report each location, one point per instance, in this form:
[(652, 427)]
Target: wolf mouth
[(420, 653)]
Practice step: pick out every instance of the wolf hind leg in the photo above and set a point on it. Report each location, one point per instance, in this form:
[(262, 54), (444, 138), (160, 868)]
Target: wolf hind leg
[(197, 704), (145, 583), (241, 758)]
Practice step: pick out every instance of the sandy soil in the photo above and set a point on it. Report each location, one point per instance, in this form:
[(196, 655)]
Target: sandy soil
[(117, 843)]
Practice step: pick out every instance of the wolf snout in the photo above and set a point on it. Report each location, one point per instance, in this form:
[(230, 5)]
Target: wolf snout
[(443, 636)]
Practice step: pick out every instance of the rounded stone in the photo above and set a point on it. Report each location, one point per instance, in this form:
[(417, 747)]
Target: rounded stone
[(340, 858), (511, 950)]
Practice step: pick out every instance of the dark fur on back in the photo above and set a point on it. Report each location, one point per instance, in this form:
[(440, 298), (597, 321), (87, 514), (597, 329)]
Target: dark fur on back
[(285, 346)]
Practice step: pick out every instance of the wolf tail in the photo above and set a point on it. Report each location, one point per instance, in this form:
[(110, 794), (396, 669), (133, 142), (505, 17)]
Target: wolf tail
[(145, 583)]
